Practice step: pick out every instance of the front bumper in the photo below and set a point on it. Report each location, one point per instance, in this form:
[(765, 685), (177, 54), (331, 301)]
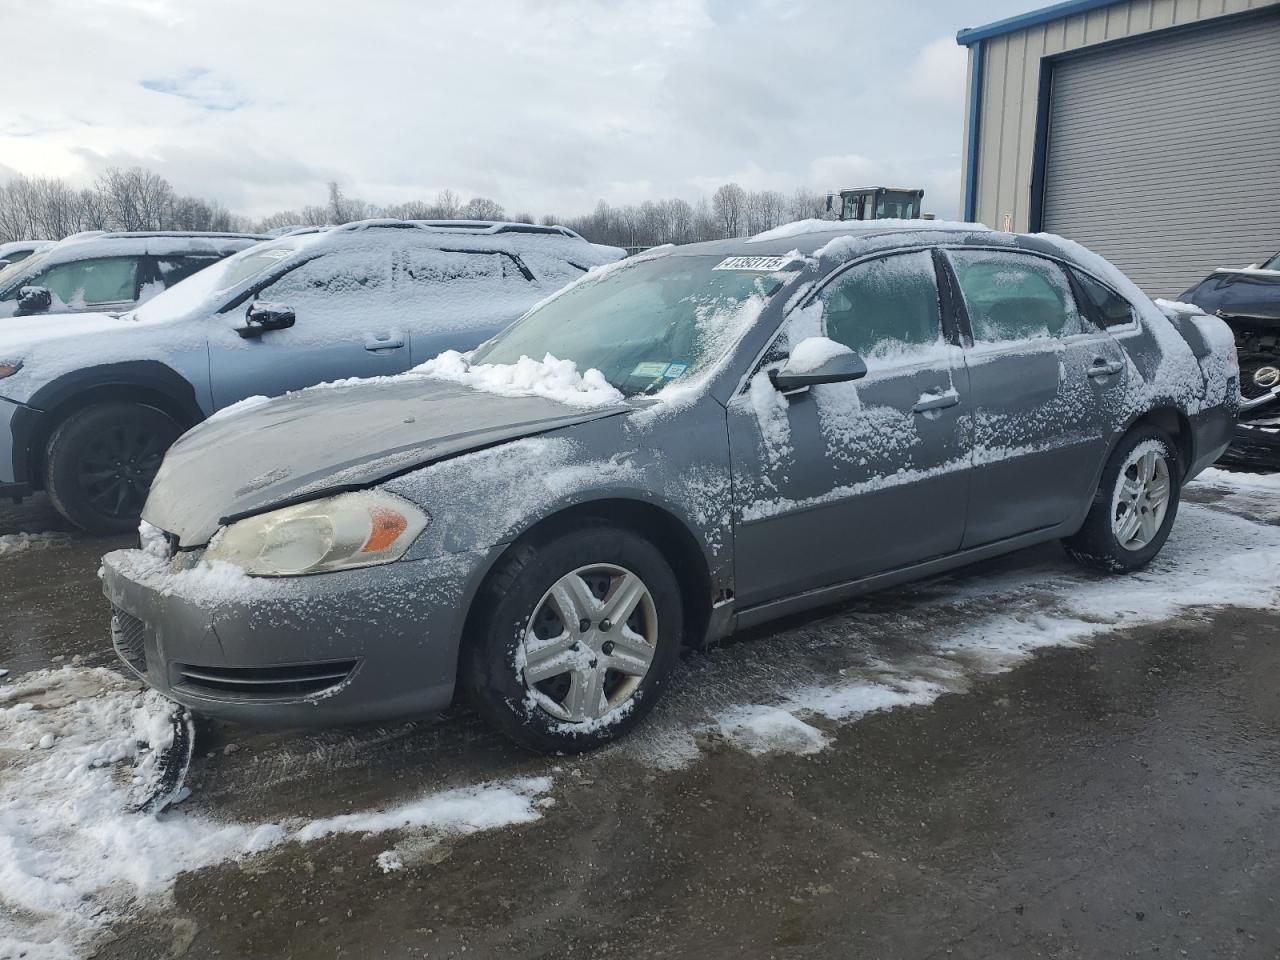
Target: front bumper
[(11, 483), (332, 649)]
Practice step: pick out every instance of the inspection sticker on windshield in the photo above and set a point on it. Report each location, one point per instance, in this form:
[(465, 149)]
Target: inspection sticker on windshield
[(650, 369), (763, 264)]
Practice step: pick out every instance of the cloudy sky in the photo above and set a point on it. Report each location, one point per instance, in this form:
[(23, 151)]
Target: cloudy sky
[(544, 105)]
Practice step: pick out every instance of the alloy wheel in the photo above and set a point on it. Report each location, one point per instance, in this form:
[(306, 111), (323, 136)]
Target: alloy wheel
[(116, 469), (589, 643), (1142, 497)]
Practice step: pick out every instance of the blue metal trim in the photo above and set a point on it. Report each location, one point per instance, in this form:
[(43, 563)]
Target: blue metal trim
[(972, 35), (975, 125), (1040, 155)]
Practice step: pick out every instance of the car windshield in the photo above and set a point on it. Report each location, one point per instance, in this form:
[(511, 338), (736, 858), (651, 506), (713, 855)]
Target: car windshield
[(643, 324), (15, 270), (215, 280), (1273, 263)]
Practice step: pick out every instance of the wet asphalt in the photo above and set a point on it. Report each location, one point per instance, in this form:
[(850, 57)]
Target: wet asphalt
[(1117, 800)]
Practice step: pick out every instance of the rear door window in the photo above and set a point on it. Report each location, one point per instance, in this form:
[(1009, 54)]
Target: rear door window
[(176, 269), (1012, 297), (551, 269), (86, 283), (431, 267), (885, 309)]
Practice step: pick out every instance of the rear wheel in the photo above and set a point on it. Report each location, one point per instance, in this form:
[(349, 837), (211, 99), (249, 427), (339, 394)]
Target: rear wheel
[(1135, 506), (101, 460), (577, 641)]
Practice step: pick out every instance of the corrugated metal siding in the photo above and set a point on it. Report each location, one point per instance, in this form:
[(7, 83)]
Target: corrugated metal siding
[(1011, 78), (1164, 156)]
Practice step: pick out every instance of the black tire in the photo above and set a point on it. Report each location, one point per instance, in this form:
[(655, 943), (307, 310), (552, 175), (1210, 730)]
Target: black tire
[(101, 460), (1096, 544), (492, 665)]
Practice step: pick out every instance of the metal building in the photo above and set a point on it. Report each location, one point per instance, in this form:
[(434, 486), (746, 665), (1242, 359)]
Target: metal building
[(1148, 130)]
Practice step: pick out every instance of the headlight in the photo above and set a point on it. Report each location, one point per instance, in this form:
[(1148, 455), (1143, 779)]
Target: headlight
[(336, 533)]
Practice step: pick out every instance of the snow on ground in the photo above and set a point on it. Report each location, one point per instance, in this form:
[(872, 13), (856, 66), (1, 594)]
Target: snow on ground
[(1252, 494), (12, 543), (962, 630), (76, 745), (79, 746)]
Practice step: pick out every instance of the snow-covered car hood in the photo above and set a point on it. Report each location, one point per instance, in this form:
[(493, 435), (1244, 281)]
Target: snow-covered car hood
[(332, 438)]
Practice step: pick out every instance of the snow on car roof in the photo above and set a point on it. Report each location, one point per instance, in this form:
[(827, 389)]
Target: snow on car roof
[(96, 243), (804, 227)]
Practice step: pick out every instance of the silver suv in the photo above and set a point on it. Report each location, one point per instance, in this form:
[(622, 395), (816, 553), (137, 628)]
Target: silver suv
[(90, 403), (109, 272)]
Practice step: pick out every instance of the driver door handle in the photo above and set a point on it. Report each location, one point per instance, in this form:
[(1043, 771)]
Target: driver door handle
[(1105, 368), (936, 401), (391, 340)]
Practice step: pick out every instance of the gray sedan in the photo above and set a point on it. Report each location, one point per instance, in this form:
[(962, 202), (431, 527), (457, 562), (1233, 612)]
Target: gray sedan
[(677, 446)]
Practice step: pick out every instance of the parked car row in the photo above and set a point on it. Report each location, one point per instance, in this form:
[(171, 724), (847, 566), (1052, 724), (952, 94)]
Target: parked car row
[(18, 250), (108, 272), (90, 402), (687, 442), (1248, 299)]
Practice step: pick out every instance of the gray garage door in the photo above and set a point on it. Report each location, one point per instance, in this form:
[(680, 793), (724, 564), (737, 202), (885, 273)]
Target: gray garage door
[(1164, 155)]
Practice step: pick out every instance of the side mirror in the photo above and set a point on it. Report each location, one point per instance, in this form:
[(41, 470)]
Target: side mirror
[(263, 316), (4, 263), (34, 300), (818, 360)]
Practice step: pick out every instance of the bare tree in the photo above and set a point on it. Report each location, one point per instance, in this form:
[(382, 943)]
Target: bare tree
[(729, 206), (447, 206), (482, 208)]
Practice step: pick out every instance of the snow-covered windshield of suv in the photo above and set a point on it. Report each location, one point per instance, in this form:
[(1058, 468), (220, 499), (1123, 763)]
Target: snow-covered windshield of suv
[(216, 280), (15, 270), (644, 324)]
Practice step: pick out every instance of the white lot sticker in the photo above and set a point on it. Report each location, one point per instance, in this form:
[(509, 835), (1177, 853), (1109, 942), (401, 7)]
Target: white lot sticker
[(763, 264), (649, 368)]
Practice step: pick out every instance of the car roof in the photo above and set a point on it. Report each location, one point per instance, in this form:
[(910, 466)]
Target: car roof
[(96, 243), (459, 235)]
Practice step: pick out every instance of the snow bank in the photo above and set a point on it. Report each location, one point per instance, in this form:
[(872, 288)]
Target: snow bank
[(78, 745), (549, 377)]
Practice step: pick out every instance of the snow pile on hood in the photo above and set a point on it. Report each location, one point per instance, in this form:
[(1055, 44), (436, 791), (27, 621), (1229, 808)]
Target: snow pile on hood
[(78, 745), (549, 377)]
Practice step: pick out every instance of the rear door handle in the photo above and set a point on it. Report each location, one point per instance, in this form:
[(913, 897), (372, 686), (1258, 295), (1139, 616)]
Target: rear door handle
[(1105, 368), (936, 401), (391, 340)]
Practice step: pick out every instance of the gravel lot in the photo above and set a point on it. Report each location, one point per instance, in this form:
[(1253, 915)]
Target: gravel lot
[(1020, 760)]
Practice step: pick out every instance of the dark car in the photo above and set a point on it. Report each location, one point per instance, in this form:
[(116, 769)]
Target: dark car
[(1248, 300), (676, 446)]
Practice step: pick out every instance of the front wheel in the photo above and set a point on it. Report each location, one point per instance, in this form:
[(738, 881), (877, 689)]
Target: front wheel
[(101, 460), (577, 639), (1134, 507)]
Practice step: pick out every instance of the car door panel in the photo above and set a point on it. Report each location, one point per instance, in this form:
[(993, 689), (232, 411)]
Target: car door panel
[(846, 480), (345, 325), (454, 299), (1044, 398)]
